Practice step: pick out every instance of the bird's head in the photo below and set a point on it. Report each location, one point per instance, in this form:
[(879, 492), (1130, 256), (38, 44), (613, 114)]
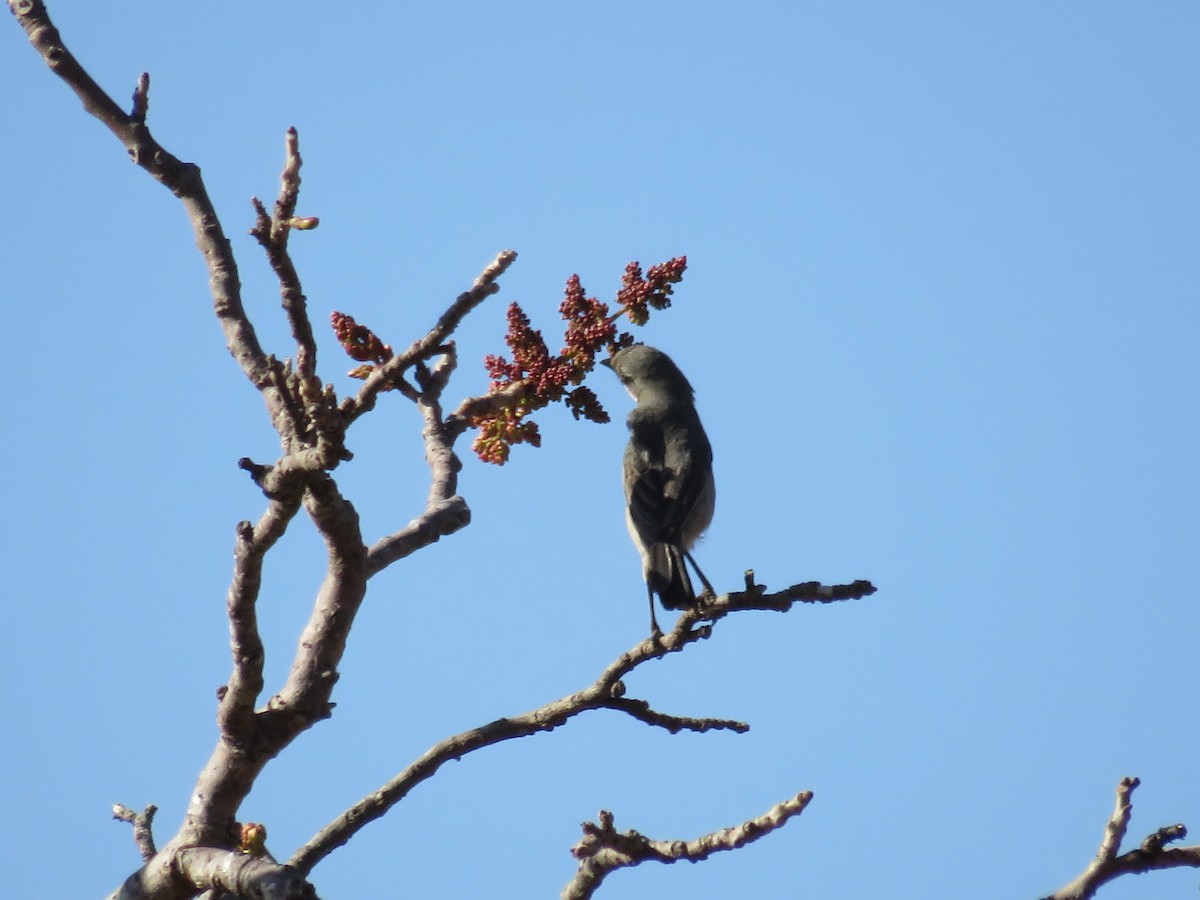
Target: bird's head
[(644, 370)]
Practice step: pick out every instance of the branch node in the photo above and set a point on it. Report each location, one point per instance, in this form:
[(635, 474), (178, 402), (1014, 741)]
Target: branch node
[(258, 472), (1165, 835)]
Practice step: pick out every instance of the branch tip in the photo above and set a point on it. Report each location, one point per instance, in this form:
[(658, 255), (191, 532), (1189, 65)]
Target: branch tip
[(603, 850), (143, 835), (141, 99)]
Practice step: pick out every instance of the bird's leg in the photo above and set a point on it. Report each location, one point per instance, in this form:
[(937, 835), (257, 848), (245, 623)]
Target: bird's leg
[(708, 588), (655, 631)]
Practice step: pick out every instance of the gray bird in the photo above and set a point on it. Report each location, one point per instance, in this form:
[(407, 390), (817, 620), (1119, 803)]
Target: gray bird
[(669, 490)]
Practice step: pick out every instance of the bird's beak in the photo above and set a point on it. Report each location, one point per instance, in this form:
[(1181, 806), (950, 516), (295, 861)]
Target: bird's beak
[(607, 363)]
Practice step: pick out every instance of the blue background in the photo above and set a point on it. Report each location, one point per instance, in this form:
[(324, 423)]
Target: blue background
[(941, 315)]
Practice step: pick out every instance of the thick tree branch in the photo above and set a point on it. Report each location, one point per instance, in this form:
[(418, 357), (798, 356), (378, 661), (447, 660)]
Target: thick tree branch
[(607, 692), (305, 697), (602, 850), (248, 742), (444, 464), (1149, 856), (187, 872)]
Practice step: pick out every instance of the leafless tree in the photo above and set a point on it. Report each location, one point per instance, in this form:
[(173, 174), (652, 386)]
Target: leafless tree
[(211, 853)]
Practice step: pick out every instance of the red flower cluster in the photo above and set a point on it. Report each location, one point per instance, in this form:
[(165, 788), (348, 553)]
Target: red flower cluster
[(360, 343), (543, 379), (544, 375), (639, 294), (588, 325)]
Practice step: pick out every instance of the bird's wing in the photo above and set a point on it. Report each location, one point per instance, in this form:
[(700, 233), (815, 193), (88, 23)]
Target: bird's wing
[(646, 494), (660, 486)]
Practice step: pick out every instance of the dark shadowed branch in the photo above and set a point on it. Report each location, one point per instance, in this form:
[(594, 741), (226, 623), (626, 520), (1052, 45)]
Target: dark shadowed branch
[(1110, 863), (603, 850)]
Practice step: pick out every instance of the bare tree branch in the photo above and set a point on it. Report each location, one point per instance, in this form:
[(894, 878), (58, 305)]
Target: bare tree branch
[(235, 715), (1149, 856), (607, 692), (182, 179), (640, 710), (244, 749), (445, 511), (432, 343), (474, 407), (438, 521), (272, 232), (305, 697), (142, 824), (602, 850)]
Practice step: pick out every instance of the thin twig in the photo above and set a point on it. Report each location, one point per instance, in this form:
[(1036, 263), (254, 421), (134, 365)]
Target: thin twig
[(142, 823), (603, 850), (438, 521), (607, 692), (235, 715), (272, 233), (182, 179), (141, 99), (430, 345)]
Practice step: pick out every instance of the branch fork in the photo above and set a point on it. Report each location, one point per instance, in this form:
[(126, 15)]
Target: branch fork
[(1110, 863)]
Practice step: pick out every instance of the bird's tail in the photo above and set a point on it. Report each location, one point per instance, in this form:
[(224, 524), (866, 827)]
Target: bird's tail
[(667, 576)]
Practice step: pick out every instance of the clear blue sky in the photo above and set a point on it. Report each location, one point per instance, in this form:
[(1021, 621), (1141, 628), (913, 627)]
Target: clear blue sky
[(942, 316)]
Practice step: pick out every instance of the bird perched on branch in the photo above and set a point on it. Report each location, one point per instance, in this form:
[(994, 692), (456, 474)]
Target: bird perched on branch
[(669, 490)]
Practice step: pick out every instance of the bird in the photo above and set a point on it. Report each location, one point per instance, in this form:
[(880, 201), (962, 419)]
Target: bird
[(667, 472)]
